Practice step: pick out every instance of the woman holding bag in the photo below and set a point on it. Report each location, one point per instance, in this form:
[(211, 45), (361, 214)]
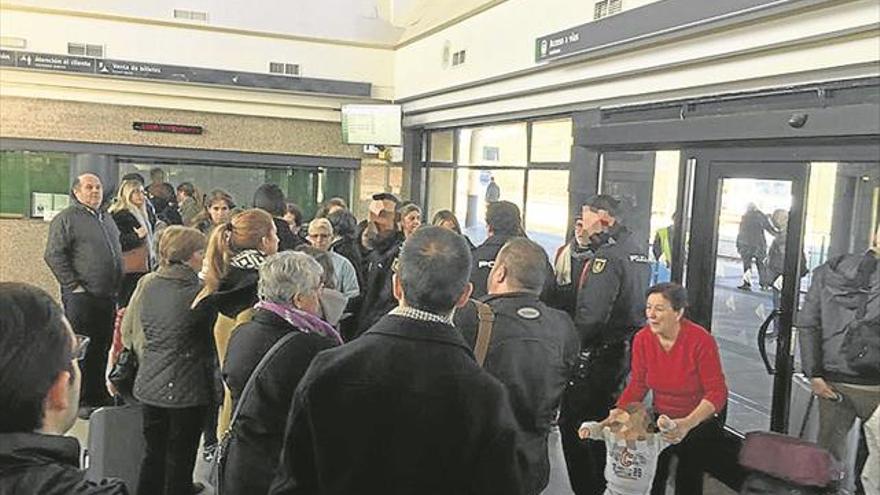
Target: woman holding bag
[(129, 211)]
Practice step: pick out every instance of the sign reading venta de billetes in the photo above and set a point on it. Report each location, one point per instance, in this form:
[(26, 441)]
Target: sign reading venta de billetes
[(177, 73)]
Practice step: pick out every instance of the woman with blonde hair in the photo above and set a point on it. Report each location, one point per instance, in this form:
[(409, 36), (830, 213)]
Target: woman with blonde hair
[(236, 250), (136, 234)]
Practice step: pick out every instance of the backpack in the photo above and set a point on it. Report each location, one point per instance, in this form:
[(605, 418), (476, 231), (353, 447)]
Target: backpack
[(861, 346)]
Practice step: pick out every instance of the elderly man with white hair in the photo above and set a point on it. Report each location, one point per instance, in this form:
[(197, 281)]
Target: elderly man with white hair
[(289, 291), (321, 236)]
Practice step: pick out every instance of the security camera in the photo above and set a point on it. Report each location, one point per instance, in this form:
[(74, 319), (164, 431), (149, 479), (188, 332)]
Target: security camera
[(797, 120)]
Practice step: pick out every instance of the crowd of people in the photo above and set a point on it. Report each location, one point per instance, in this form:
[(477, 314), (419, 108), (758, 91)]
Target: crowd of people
[(380, 356)]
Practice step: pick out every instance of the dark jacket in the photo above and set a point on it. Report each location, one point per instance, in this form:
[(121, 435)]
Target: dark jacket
[(37, 464), (237, 292), (750, 239), (287, 240), (611, 301), (128, 239), (404, 409), (482, 260), (348, 248), (532, 351), (839, 287), (177, 366), (83, 250), (378, 298), (259, 429)]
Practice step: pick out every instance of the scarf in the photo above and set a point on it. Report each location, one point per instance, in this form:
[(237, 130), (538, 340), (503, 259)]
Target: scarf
[(249, 259), (305, 322), (149, 240)]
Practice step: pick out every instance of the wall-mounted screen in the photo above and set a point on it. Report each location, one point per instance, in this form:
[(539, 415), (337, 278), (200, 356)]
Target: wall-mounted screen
[(371, 124)]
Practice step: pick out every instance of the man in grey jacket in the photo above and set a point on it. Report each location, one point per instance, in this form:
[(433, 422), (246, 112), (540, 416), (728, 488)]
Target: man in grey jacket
[(843, 289), (84, 254)]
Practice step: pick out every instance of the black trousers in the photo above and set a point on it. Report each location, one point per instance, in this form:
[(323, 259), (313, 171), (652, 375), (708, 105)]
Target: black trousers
[(590, 396), (93, 317), (704, 448), (172, 442)]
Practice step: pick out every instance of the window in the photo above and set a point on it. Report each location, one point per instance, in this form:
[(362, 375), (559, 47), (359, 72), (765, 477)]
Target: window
[(508, 139), (284, 68), (551, 141), (499, 154), (33, 183), (491, 153), (441, 147), (546, 214), (300, 185), (85, 50), (191, 15), (606, 8)]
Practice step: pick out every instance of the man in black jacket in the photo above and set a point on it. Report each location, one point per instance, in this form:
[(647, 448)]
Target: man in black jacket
[(610, 309), (405, 408), (380, 243), (84, 254), (503, 221), (532, 348), (39, 394)]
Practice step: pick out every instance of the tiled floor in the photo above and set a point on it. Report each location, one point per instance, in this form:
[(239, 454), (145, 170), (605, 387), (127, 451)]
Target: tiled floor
[(558, 478)]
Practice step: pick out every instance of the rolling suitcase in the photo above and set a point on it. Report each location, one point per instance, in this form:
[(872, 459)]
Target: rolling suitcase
[(116, 445)]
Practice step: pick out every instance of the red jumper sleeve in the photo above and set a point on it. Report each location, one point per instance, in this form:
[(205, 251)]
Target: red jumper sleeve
[(710, 373)]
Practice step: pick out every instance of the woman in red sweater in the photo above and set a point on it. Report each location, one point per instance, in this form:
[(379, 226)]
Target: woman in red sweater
[(677, 360)]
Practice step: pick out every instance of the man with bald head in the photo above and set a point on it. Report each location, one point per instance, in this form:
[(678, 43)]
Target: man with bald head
[(84, 253)]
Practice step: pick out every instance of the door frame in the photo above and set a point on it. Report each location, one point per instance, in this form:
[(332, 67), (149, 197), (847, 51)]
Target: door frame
[(710, 171), (709, 166)]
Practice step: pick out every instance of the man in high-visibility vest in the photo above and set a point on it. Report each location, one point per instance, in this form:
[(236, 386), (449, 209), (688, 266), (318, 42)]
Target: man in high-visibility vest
[(663, 241)]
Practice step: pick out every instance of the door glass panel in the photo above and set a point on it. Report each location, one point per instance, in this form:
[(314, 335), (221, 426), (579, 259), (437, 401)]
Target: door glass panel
[(547, 208), (646, 183), (470, 197), (746, 291), (440, 190)]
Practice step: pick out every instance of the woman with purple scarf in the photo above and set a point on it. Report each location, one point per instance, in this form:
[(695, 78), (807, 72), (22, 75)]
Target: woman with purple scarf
[(289, 290)]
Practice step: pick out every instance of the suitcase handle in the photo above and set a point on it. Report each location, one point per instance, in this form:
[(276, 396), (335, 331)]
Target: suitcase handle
[(762, 344)]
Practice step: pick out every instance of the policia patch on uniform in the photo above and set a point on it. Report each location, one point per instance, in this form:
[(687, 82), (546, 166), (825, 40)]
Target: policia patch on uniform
[(528, 313), (599, 265)]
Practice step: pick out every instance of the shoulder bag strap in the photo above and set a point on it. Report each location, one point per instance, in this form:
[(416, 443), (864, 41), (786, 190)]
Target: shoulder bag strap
[(484, 331), (253, 378)]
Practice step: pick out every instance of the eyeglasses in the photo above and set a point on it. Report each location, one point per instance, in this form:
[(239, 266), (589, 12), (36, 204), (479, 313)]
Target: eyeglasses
[(79, 351)]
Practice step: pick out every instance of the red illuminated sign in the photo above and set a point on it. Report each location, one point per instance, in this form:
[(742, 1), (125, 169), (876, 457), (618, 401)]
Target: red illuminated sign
[(171, 128)]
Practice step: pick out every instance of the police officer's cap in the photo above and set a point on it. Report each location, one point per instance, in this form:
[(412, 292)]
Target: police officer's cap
[(604, 202)]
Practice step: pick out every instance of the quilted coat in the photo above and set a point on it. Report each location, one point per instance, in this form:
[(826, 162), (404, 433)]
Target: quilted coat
[(177, 363)]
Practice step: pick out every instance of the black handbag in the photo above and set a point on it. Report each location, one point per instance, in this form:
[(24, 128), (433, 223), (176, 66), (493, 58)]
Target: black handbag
[(124, 372), (218, 466)]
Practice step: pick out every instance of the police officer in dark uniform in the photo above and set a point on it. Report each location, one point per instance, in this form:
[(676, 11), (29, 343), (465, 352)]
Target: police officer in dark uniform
[(532, 348), (610, 308), (504, 221)]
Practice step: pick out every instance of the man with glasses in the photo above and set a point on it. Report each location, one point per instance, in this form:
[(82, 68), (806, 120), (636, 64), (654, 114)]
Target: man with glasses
[(39, 395)]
